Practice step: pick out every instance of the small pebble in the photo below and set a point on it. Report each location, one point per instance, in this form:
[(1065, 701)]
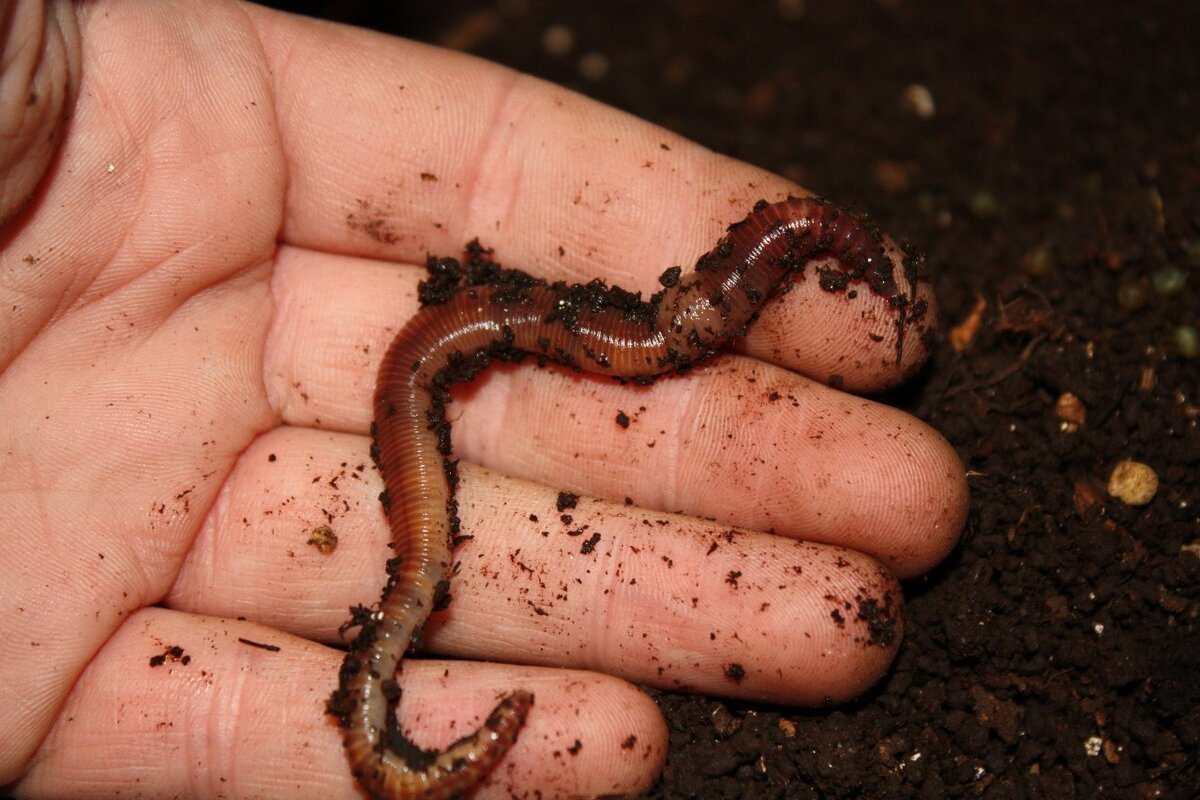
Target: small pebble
[(1071, 410), (919, 100), (323, 539), (1169, 281), (1133, 483), (1187, 339)]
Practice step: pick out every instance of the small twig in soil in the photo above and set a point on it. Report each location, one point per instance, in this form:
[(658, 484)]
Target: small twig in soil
[(1001, 375)]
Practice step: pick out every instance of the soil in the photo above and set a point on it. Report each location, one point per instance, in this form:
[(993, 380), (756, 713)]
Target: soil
[(1047, 158)]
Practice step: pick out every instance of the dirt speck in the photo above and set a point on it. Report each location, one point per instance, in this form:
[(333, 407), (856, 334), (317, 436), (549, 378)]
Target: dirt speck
[(323, 539)]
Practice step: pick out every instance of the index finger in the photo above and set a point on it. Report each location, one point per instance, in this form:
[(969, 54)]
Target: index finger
[(399, 150)]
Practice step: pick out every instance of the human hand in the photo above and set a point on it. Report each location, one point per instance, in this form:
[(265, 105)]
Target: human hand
[(200, 290)]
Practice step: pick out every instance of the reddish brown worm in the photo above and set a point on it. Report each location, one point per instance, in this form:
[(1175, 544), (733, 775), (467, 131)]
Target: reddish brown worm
[(474, 316)]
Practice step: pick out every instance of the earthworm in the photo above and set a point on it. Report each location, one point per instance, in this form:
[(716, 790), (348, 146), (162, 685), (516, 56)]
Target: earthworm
[(474, 316)]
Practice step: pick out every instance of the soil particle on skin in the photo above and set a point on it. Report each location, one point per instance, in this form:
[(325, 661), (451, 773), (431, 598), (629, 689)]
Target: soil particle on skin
[(323, 539), (1047, 165), (371, 221), (173, 653), (879, 615)]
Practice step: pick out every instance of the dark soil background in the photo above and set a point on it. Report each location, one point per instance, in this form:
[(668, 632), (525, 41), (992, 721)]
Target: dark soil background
[(1046, 155)]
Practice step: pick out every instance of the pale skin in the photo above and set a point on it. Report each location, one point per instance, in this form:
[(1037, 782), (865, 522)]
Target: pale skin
[(214, 220)]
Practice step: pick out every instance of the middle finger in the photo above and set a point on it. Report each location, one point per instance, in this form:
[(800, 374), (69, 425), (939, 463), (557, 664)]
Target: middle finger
[(656, 598), (791, 455)]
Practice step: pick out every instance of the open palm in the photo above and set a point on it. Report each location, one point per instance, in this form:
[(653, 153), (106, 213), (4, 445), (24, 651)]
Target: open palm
[(205, 255)]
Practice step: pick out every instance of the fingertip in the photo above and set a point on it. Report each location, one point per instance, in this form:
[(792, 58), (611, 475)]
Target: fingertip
[(812, 625), (862, 606), (935, 482), (854, 339), (586, 735)]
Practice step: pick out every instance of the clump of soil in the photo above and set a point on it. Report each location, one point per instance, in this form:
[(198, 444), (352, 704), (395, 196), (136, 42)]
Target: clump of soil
[(1046, 157)]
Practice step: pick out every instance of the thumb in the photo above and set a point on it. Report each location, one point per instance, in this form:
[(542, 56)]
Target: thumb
[(39, 74)]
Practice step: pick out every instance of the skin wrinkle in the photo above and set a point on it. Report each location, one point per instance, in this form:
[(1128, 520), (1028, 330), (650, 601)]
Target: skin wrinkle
[(215, 520), (488, 436), (626, 215), (720, 421), (481, 207), (606, 585), (679, 439), (278, 376)]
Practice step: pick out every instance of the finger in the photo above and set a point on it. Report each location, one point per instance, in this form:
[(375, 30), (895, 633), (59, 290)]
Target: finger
[(433, 148), (655, 598), (39, 47), (239, 710), (793, 456)]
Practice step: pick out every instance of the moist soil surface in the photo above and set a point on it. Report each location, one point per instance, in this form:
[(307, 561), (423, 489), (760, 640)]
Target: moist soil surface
[(1046, 156)]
